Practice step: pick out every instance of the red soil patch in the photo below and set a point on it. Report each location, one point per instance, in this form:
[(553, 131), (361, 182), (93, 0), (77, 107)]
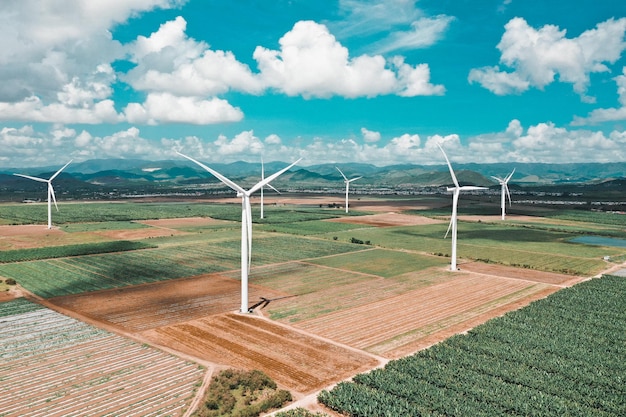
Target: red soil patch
[(387, 220), (29, 229), (38, 236), (148, 306), (293, 359)]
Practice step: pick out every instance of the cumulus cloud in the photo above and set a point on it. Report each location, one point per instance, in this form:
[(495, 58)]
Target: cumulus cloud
[(169, 61), (538, 57), (312, 63), (543, 143), (47, 43), (370, 136), (168, 108), (610, 114)]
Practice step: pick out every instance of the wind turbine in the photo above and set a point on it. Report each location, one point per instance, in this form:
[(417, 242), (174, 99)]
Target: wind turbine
[(246, 222), (51, 196), (505, 190), (455, 200), (347, 181), (269, 185)]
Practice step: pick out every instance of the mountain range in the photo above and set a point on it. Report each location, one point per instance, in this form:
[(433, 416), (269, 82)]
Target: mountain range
[(101, 174)]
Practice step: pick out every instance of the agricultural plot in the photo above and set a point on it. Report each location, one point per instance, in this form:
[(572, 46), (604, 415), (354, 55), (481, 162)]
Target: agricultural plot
[(54, 365), (527, 248), (301, 362), (141, 307), (562, 355), (399, 323)]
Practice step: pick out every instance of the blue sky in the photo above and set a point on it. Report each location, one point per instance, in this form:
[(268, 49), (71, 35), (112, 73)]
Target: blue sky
[(379, 82)]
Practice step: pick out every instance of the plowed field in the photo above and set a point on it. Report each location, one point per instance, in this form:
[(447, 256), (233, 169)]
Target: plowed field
[(385, 325), (144, 307), (296, 360)]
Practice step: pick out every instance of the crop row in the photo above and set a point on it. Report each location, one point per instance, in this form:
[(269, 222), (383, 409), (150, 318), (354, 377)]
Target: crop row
[(57, 277), (20, 255), (554, 357), (53, 364)]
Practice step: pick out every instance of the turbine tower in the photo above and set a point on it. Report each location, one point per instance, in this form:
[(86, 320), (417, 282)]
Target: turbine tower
[(51, 196), (455, 200), (505, 190), (347, 181), (269, 185), (246, 222)]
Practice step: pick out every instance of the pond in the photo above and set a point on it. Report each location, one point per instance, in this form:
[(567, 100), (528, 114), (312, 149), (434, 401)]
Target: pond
[(600, 241)]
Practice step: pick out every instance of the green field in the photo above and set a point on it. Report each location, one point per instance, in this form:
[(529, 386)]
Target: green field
[(561, 356), (286, 234)]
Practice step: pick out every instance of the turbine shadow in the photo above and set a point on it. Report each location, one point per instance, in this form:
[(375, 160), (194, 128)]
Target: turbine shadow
[(265, 302)]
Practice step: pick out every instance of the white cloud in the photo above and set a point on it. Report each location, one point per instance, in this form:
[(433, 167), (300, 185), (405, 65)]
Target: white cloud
[(312, 63), (370, 136), (424, 32), (543, 143), (538, 57), (610, 114), (169, 61), (167, 108), (47, 43)]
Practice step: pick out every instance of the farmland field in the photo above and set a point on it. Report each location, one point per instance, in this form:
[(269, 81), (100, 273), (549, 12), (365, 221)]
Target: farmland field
[(347, 292), (55, 365)]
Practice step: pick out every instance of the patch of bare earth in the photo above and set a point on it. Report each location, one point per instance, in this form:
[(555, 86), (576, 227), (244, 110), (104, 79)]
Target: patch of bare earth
[(387, 220), (301, 362), (146, 306), (38, 236), (519, 273), (182, 222), (386, 327), (131, 234)]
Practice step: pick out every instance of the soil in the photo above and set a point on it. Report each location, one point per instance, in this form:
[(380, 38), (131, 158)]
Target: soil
[(387, 220)]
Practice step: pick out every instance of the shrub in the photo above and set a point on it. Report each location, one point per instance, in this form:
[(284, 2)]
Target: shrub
[(10, 281)]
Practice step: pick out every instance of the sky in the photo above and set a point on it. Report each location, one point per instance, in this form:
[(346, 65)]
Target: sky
[(379, 82)]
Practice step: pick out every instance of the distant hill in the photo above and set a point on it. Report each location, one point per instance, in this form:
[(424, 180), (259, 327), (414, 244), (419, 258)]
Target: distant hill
[(134, 175)]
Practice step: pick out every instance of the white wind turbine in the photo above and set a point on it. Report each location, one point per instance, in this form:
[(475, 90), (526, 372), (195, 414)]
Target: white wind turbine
[(455, 199), (505, 190), (51, 196), (269, 185), (347, 181), (246, 222)]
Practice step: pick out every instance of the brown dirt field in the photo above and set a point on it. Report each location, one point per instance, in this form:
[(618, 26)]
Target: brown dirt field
[(388, 324), (131, 234), (147, 306), (299, 361), (519, 273), (38, 236), (387, 220)]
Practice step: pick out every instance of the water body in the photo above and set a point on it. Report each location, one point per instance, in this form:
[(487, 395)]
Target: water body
[(600, 241)]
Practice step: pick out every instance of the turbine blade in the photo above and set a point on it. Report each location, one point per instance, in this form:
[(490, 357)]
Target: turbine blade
[(216, 174), (51, 193), (344, 177), (249, 230), (272, 187), (262, 170), (449, 227), (31, 178), (500, 180), (59, 171), (354, 179), (270, 178), (509, 176), (456, 183), (471, 188)]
